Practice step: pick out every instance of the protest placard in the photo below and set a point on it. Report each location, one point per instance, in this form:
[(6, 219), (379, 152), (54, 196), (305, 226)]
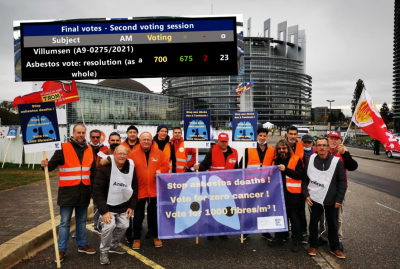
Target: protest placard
[(220, 203), (196, 128)]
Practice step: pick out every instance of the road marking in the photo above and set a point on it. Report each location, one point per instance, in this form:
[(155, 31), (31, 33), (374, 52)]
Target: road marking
[(133, 253), (387, 207), (372, 165)]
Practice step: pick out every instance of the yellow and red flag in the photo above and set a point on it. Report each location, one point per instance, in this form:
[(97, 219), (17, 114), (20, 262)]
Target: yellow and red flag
[(60, 92), (367, 118)]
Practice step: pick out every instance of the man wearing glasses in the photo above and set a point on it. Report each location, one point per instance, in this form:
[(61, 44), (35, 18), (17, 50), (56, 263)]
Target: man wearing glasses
[(95, 142), (324, 188), (115, 192), (291, 168)]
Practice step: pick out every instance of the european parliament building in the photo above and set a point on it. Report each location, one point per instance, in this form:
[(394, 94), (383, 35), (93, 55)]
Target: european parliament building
[(277, 67), (125, 101)]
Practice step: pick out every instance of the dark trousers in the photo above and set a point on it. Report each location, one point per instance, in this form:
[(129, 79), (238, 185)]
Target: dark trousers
[(293, 216), (376, 149), (151, 217), (331, 217), (302, 215)]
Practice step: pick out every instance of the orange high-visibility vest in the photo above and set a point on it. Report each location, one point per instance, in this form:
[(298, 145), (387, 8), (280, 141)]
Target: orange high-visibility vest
[(167, 152), (73, 172), (254, 159), (218, 159), (181, 158), (293, 185), (299, 150)]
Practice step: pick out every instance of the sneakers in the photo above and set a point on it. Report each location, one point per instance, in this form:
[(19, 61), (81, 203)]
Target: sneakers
[(338, 254), (245, 236), (61, 254), (303, 240), (73, 234), (321, 241), (267, 236), (136, 244), (97, 230), (312, 251), (275, 243), (304, 234), (286, 238), (104, 258), (86, 249), (157, 242), (117, 250), (296, 247)]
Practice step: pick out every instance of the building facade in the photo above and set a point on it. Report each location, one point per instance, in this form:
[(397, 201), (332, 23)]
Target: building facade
[(323, 111), (125, 101), (281, 93), (396, 68)]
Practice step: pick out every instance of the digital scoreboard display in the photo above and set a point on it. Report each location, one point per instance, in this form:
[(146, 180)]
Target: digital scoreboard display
[(128, 48)]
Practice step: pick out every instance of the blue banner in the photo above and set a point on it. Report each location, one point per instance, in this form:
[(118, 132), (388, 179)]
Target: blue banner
[(197, 128), (221, 203), (244, 126), (39, 127)]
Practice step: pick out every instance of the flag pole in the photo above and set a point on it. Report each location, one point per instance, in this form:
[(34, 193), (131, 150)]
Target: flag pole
[(243, 167), (80, 106)]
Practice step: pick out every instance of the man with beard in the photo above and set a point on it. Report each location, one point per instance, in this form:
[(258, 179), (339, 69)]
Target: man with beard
[(182, 164), (161, 142), (77, 169), (256, 157), (295, 144), (291, 168), (114, 141), (132, 140), (324, 188), (337, 149)]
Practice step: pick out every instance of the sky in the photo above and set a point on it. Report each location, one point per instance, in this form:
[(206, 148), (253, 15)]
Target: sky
[(346, 40)]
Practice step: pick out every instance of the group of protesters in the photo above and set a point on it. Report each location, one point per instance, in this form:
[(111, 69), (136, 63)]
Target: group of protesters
[(121, 179)]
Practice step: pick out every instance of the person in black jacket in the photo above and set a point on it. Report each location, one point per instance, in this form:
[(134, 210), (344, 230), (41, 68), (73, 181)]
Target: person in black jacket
[(74, 190), (115, 192), (291, 167), (324, 187)]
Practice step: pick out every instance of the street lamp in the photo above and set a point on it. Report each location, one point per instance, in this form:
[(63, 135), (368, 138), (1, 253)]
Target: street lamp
[(330, 113)]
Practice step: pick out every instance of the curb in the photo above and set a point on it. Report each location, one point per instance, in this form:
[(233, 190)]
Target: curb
[(26, 245), (374, 159)]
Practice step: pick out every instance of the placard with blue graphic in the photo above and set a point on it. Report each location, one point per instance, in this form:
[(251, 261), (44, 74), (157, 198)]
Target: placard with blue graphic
[(220, 203), (197, 128), (244, 129), (12, 132), (39, 127)]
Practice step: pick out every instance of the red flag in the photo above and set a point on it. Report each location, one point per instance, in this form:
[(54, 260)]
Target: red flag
[(60, 92), (367, 117)]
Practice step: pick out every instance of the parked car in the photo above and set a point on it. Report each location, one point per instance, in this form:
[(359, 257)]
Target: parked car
[(302, 132), (394, 153)]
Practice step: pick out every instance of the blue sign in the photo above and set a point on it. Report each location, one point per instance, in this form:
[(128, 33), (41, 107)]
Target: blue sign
[(244, 128), (12, 132), (39, 127), (197, 128), (221, 203)]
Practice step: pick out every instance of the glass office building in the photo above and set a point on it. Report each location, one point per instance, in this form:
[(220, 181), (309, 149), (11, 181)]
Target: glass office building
[(281, 91), (125, 101)]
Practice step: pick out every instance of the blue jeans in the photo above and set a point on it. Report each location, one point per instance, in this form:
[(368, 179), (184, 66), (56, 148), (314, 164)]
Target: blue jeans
[(65, 223)]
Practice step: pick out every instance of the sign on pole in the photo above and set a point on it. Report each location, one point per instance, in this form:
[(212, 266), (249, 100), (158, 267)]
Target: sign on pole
[(12, 132), (221, 203), (39, 127), (244, 129), (40, 133), (197, 128)]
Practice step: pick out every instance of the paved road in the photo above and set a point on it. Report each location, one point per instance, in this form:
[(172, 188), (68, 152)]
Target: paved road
[(371, 238)]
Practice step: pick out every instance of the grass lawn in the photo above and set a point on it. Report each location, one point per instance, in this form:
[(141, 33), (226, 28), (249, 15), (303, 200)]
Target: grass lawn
[(12, 176)]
